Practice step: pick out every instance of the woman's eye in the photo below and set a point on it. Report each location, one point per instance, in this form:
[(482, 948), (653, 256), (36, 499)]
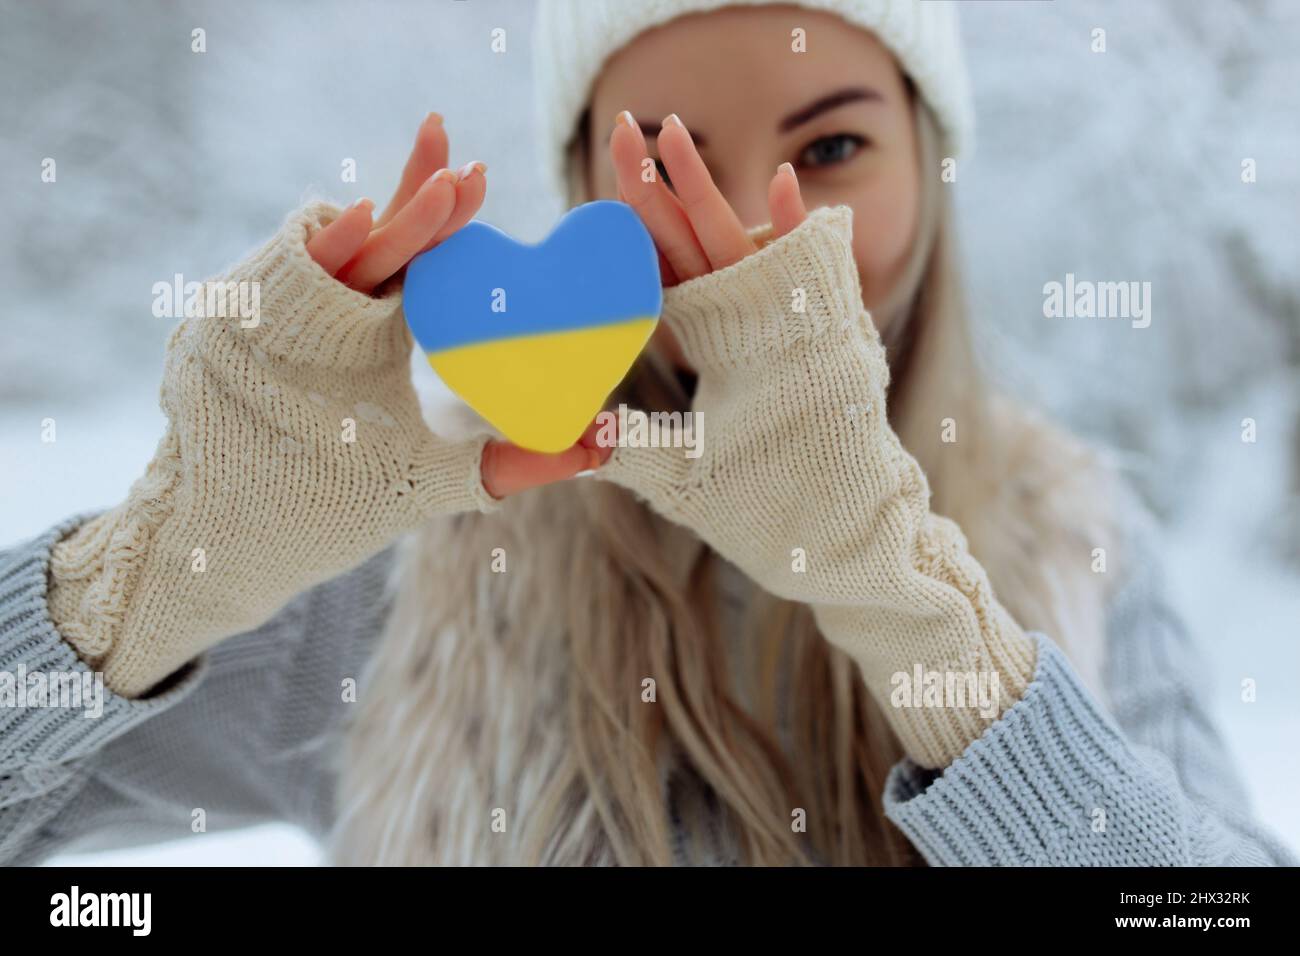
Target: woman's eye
[(830, 150)]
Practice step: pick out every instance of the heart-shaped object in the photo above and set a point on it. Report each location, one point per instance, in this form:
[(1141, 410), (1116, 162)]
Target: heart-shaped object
[(535, 337)]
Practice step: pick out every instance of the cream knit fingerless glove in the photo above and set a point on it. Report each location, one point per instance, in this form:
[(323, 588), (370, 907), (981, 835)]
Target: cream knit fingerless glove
[(799, 464), (294, 450)]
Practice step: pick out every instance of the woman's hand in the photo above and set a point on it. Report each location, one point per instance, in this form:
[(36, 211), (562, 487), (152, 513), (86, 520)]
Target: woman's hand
[(295, 447), (799, 479), (785, 393), (694, 228), (432, 202)]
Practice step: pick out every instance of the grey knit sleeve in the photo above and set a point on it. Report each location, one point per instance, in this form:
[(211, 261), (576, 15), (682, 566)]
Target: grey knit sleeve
[(240, 735), (1061, 780)]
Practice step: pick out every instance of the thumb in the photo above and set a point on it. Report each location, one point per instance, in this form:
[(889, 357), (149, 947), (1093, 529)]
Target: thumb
[(508, 469)]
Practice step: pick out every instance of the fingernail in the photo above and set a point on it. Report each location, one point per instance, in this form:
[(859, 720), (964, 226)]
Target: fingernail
[(434, 118), (672, 119), (443, 175), (625, 118), (470, 168), (364, 201), (788, 169)]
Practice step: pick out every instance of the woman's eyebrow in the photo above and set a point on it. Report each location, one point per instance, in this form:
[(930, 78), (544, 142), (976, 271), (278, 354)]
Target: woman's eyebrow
[(825, 104), (852, 94)]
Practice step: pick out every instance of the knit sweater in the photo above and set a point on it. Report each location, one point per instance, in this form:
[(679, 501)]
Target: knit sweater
[(251, 731), (246, 726), (806, 487)]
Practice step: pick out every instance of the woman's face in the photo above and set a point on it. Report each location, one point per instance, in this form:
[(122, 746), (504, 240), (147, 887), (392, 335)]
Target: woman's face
[(839, 112)]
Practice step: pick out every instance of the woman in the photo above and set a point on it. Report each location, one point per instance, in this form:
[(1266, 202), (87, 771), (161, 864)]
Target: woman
[(749, 657)]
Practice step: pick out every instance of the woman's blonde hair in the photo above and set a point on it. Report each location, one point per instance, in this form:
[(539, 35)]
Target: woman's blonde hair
[(555, 684)]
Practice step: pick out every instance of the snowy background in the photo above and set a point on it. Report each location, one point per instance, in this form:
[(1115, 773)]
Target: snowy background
[(1122, 165)]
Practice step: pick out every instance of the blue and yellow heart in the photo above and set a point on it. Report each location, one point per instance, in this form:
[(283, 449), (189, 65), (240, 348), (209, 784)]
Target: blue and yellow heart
[(535, 337)]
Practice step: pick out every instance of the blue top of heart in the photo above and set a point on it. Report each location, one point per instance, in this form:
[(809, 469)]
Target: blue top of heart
[(598, 266)]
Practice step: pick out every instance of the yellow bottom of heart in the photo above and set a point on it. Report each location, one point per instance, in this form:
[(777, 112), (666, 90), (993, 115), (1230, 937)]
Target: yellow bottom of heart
[(541, 391)]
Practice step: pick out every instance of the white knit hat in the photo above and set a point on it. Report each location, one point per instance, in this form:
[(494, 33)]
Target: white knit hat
[(574, 38)]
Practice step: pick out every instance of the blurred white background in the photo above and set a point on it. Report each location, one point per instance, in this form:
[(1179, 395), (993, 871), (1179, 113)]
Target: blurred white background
[(1123, 165)]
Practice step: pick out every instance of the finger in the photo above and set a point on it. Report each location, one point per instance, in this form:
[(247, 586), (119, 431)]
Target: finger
[(390, 247), (716, 225), (785, 202), (471, 187), (428, 155), (667, 274), (508, 469), (591, 438), (342, 239), (658, 208)]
